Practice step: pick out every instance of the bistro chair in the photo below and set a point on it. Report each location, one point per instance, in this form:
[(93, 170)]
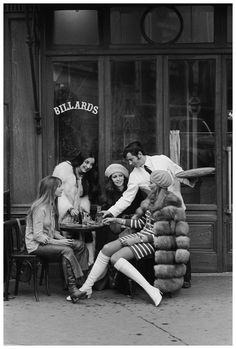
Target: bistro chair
[(15, 252)]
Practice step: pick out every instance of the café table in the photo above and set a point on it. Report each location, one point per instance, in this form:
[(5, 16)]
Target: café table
[(79, 230)]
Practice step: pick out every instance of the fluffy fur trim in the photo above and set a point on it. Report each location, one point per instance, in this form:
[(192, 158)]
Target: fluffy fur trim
[(162, 228), (181, 228), (183, 242), (164, 257), (170, 213), (169, 285), (182, 256), (164, 242), (167, 271)]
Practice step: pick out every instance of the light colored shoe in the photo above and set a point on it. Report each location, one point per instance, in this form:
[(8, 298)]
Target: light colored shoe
[(88, 291), (68, 298)]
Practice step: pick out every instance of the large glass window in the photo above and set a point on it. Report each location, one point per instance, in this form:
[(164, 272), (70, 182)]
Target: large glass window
[(76, 107), (192, 115), (133, 105), (75, 27), (198, 24), (162, 24)]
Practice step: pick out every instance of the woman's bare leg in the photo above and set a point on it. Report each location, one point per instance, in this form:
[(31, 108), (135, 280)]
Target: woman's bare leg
[(111, 248), (99, 268)]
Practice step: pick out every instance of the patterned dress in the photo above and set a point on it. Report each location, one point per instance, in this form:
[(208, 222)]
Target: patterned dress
[(145, 224)]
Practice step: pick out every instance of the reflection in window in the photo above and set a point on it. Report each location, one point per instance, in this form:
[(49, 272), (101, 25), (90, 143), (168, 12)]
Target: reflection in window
[(162, 24), (198, 24), (76, 91), (229, 23), (133, 105), (75, 27), (192, 113), (125, 25)]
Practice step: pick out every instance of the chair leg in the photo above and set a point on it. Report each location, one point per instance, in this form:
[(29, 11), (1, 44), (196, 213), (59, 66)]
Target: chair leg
[(7, 280), (41, 274), (35, 280), (18, 270), (46, 278)]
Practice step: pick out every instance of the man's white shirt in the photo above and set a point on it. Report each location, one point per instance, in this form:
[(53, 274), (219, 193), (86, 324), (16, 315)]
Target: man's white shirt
[(140, 178)]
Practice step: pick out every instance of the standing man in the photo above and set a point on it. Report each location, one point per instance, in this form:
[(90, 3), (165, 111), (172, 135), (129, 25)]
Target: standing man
[(140, 178)]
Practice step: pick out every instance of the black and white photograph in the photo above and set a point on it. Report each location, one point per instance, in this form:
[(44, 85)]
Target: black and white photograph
[(117, 173)]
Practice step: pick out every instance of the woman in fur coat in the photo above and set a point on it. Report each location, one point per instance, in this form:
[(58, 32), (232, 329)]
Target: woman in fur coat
[(78, 180), (137, 245)]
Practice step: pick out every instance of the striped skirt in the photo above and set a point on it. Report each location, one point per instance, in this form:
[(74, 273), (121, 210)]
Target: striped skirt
[(139, 250)]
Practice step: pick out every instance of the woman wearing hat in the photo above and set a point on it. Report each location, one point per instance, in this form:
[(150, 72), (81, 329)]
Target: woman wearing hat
[(117, 179), (137, 245)]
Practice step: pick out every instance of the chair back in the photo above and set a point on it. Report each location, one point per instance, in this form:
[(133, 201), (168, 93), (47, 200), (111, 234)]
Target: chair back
[(14, 235)]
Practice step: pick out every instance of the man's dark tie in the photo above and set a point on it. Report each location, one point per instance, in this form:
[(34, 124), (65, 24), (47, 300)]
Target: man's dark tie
[(146, 168)]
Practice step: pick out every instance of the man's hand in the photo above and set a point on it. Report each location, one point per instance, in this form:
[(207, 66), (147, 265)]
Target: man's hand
[(106, 214)]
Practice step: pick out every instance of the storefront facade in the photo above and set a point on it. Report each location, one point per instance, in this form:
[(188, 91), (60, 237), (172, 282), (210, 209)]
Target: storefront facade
[(102, 76)]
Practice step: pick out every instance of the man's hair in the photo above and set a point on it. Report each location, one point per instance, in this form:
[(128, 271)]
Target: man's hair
[(134, 148)]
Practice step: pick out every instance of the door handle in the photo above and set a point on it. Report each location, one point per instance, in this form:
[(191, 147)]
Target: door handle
[(229, 153)]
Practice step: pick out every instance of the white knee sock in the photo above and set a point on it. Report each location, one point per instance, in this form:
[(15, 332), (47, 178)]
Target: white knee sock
[(98, 270), (129, 270)]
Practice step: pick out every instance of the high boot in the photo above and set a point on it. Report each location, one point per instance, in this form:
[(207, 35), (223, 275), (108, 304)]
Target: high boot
[(75, 293), (98, 270), (129, 270)]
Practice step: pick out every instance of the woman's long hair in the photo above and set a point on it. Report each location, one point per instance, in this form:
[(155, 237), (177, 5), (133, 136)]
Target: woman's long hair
[(90, 178), (111, 189), (46, 195)]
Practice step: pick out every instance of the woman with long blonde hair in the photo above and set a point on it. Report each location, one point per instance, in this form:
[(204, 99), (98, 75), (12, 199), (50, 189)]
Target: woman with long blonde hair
[(44, 239)]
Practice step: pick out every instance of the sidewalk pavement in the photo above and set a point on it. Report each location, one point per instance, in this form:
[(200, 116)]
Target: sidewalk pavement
[(200, 315)]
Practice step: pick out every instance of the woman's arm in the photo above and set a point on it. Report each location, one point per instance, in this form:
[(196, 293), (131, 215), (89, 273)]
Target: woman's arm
[(38, 226), (58, 236), (132, 223)]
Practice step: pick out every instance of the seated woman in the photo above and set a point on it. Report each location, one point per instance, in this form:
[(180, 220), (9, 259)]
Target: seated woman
[(78, 178), (137, 245), (43, 239), (117, 179)]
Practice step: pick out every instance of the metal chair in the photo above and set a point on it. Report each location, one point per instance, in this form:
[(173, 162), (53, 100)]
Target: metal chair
[(15, 251)]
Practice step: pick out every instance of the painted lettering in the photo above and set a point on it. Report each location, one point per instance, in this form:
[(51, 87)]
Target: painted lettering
[(81, 105)]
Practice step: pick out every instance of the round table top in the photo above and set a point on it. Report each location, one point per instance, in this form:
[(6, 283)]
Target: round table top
[(80, 227)]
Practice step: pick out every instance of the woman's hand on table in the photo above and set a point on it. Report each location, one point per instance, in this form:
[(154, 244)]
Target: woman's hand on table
[(109, 220)]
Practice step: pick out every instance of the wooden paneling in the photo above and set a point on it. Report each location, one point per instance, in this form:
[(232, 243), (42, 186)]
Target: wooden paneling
[(23, 176), (203, 236)]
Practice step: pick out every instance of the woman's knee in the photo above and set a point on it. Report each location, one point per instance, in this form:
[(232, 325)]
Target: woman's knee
[(107, 249), (114, 258), (125, 253)]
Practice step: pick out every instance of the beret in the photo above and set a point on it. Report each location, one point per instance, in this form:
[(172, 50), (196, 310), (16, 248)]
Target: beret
[(113, 168), (161, 178)]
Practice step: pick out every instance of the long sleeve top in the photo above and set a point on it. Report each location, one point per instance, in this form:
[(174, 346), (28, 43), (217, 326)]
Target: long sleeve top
[(144, 224), (40, 225), (72, 195), (140, 178)]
